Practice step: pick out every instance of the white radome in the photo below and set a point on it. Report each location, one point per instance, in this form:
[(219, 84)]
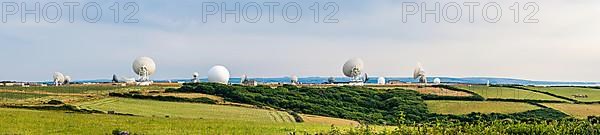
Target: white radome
[(218, 74), (437, 81), (353, 67), (381, 80), (58, 77), (144, 63)]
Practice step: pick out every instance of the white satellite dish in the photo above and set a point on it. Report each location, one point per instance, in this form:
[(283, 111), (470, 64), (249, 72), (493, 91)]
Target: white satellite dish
[(218, 74), (419, 74), (353, 68), (144, 67), (294, 79), (58, 78), (195, 77), (243, 79), (437, 81), (381, 80), (67, 80)]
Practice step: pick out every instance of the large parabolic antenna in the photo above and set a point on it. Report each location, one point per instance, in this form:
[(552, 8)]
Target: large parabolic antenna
[(195, 77), (294, 79), (58, 78), (67, 79), (144, 67), (218, 74), (353, 68), (419, 74)]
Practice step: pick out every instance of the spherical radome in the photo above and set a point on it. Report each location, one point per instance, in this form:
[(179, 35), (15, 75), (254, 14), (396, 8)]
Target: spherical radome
[(144, 62), (58, 77), (437, 81), (381, 80), (218, 74), (195, 74), (350, 65)]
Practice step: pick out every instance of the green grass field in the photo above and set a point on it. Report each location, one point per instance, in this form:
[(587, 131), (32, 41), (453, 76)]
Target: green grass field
[(194, 118), (150, 108), (466, 107), (9, 95), (22, 121), (568, 92), (576, 110), (508, 93)]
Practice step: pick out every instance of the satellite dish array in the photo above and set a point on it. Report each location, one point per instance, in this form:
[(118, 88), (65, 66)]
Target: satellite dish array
[(60, 79), (144, 67)]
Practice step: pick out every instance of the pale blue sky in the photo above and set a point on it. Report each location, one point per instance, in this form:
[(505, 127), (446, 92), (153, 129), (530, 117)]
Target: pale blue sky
[(563, 46)]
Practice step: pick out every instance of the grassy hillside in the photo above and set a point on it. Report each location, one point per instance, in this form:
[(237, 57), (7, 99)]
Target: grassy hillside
[(384, 107), (355, 103), (150, 108), (466, 107), (21, 121), (508, 93), (568, 92)]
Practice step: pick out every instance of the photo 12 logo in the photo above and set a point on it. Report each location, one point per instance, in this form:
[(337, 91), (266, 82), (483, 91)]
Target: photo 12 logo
[(55, 12), (453, 12), (253, 12)]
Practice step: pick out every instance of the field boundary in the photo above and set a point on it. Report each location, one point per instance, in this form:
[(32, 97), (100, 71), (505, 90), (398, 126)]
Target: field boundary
[(525, 100)]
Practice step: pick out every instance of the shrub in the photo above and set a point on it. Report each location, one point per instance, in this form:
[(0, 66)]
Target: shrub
[(119, 132), (55, 102)]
